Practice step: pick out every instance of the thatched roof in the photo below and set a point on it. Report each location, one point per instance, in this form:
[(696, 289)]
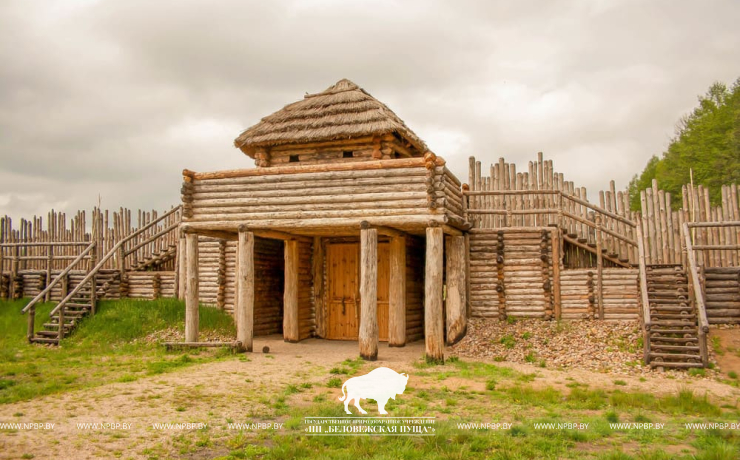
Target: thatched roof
[(342, 111)]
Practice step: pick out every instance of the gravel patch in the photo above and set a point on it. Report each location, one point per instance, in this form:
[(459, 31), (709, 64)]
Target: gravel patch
[(600, 346)]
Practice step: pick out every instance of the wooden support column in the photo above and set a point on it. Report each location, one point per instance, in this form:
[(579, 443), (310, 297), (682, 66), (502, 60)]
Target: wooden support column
[(599, 267), (49, 262), (397, 293), (317, 271), (433, 318), (457, 320), (556, 256), (245, 289), (182, 268), (191, 294), (290, 295), (368, 293), (16, 288)]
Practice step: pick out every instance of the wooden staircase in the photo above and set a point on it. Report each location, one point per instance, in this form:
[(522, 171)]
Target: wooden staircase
[(81, 301), (674, 328), (80, 305), (156, 259)]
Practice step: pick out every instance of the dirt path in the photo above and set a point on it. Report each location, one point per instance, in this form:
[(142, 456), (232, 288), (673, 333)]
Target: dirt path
[(235, 390)]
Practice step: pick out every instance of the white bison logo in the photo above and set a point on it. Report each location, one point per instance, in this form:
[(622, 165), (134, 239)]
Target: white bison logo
[(380, 384)]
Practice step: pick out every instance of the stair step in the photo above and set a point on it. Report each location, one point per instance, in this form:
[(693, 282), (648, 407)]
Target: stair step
[(668, 302), (675, 355), (674, 347), (670, 308), (674, 364), (81, 305), (44, 340), (671, 323), (674, 339), (72, 313), (661, 316), (48, 333), (690, 330)]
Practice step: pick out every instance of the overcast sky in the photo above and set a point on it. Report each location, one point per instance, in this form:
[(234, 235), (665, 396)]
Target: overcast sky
[(115, 98)]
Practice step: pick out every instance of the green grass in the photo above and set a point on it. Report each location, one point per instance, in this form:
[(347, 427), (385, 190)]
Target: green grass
[(102, 349)]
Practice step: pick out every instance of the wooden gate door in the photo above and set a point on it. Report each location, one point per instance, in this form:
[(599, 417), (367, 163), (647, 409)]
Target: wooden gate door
[(343, 301)]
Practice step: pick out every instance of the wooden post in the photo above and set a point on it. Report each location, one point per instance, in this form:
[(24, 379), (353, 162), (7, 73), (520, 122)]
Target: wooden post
[(599, 267), (49, 261), (457, 321), (13, 283), (397, 293), (368, 292), (31, 322), (433, 318), (182, 257), (290, 295), (94, 280), (557, 309), (191, 295), (245, 289), (317, 272)]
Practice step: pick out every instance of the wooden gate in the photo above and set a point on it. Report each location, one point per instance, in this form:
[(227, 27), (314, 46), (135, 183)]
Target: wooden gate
[(343, 290)]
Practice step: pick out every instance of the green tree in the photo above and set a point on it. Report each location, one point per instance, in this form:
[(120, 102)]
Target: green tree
[(707, 141)]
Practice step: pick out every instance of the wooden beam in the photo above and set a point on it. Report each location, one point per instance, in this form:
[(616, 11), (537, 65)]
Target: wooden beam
[(556, 256), (191, 295), (245, 289), (317, 272), (369, 293), (290, 295), (433, 318), (277, 235), (388, 231), (182, 269), (276, 170), (397, 293), (457, 321)]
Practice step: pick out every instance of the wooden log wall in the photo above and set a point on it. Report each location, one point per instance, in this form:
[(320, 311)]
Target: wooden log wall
[(365, 148), (415, 256), (306, 311), (34, 281), (405, 193), (110, 228), (151, 285), (620, 294), (511, 273), (722, 294)]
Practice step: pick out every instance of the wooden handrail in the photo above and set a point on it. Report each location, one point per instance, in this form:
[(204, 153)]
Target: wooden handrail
[(728, 223), (64, 273), (580, 201), (693, 273), (644, 294), (152, 238), (701, 308), (107, 256)]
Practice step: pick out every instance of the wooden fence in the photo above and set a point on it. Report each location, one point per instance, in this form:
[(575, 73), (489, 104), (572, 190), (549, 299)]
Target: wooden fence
[(501, 197), (52, 243)]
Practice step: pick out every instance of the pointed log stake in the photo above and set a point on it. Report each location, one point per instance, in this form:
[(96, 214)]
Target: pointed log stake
[(433, 318), (368, 293), (245, 289), (397, 293), (457, 321), (191, 295), (290, 296)]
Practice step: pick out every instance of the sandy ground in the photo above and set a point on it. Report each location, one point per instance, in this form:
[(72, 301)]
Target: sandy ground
[(235, 390)]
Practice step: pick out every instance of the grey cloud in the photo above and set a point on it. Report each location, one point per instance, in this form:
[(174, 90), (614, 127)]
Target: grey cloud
[(116, 98)]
